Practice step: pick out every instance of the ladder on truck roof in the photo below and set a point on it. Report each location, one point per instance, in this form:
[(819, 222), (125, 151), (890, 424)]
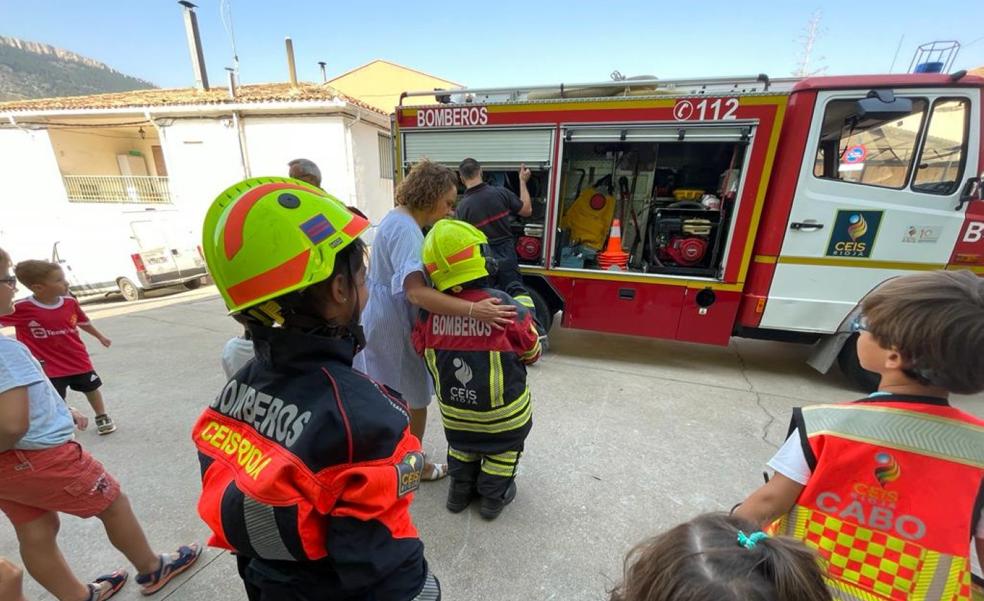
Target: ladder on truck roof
[(750, 84)]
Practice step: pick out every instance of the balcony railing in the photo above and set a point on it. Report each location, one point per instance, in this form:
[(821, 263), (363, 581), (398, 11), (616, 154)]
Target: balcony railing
[(117, 188)]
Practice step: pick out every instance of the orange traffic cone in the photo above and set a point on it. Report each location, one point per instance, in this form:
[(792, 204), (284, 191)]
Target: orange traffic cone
[(614, 258)]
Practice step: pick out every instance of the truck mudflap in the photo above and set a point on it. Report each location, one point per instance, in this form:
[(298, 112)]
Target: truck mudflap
[(826, 351)]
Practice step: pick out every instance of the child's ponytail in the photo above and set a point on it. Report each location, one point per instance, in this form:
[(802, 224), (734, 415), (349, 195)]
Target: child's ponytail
[(793, 569), (716, 557)]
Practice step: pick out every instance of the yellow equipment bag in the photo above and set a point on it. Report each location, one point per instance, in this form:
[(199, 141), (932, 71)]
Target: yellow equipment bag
[(589, 218)]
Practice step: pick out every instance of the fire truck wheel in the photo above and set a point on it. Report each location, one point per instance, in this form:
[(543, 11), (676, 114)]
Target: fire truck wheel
[(543, 314), (863, 379), (129, 290)]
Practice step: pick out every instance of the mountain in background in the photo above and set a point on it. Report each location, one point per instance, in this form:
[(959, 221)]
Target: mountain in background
[(35, 70)]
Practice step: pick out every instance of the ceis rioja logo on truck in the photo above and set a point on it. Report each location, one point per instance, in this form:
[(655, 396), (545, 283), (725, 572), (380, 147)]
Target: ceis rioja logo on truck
[(854, 234)]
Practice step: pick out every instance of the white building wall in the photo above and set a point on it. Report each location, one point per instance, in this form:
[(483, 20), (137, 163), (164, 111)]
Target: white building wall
[(203, 159), (345, 149), (272, 142), (31, 193), (374, 191)]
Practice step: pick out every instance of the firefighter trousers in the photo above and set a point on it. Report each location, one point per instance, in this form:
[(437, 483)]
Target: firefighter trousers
[(268, 583), (489, 473)]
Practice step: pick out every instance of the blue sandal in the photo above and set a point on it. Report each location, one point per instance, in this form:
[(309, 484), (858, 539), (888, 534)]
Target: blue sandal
[(172, 564), (116, 580)]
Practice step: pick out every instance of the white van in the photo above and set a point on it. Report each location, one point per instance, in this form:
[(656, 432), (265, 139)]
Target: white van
[(149, 251)]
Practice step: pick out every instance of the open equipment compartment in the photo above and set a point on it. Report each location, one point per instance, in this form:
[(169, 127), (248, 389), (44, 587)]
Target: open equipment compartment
[(673, 192), (529, 232)]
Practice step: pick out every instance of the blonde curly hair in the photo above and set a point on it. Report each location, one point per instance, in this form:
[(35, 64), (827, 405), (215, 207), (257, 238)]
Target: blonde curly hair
[(424, 185)]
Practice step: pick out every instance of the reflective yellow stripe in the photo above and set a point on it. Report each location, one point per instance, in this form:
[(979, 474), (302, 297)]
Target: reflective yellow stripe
[(504, 426), (925, 578), (905, 430), (498, 470), (431, 358), (792, 524), (954, 582), (841, 591), (863, 263), (501, 464), (625, 276), (525, 300), (487, 416), (533, 352), (496, 381), (505, 457), (463, 456)]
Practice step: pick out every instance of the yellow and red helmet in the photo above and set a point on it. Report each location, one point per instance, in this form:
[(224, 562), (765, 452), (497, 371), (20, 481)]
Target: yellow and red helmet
[(456, 252), (267, 236)]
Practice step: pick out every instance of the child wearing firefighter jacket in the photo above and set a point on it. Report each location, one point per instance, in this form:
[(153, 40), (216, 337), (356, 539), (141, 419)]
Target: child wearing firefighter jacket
[(308, 467), (890, 489), (479, 372)]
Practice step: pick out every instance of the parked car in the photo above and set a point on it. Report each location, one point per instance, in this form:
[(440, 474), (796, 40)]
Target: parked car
[(153, 253)]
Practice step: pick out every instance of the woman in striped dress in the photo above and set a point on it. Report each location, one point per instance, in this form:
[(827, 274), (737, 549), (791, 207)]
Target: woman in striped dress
[(398, 286)]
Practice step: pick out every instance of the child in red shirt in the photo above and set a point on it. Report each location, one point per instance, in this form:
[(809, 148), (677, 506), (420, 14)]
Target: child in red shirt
[(48, 324)]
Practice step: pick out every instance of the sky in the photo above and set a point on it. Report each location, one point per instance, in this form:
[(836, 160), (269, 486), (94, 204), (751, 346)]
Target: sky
[(500, 43)]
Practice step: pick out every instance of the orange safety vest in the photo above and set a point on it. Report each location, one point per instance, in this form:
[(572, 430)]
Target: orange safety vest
[(893, 499)]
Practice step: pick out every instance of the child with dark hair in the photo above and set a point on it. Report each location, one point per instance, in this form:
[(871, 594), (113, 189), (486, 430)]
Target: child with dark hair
[(48, 323), (308, 466), (715, 557), (890, 488)]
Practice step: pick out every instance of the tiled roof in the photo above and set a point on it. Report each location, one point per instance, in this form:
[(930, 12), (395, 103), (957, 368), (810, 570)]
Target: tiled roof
[(251, 93)]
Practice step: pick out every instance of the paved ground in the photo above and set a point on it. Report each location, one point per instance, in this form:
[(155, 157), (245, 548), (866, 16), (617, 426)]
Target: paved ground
[(630, 436)]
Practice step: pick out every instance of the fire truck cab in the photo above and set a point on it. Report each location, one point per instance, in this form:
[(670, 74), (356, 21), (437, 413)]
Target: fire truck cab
[(745, 206)]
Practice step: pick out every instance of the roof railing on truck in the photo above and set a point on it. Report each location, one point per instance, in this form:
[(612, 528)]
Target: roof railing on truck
[(514, 92)]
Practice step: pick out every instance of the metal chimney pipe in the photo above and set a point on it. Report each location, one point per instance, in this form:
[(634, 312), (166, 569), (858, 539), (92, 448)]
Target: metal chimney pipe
[(290, 62), (195, 44), (232, 82), (324, 74)]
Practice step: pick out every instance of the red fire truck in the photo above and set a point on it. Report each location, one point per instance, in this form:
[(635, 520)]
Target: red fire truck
[(747, 206)]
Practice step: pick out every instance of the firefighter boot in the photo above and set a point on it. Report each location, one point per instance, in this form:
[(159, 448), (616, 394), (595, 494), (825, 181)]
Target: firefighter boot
[(492, 507), (460, 495)]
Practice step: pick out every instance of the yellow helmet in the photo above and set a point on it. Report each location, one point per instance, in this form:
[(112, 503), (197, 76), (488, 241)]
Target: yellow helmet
[(267, 236), (456, 252)]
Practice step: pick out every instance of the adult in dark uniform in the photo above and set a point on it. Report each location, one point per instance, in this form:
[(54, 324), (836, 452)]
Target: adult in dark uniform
[(491, 209)]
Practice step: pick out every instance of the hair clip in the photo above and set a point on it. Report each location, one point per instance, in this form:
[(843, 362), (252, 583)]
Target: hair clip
[(749, 541)]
